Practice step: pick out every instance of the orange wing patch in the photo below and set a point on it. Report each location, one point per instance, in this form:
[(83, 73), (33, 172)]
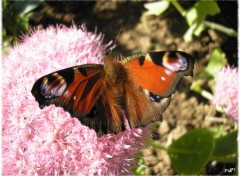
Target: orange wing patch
[(157, 79), (83, 92), (159, 72)]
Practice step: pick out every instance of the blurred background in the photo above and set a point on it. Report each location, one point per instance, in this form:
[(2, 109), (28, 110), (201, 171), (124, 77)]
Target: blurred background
[(205, 29)]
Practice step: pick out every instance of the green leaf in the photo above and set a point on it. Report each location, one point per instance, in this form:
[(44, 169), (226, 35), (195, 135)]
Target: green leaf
[(225, 146), (5, 42), (191, 152), (189, 33), (197, 87), (23, 7), (156, 8), (219, 131), (200, 10), (196, 15), (216, 63), (199, 29)]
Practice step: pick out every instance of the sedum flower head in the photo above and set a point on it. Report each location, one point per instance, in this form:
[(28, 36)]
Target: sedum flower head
[(226, 91), (49, 141)]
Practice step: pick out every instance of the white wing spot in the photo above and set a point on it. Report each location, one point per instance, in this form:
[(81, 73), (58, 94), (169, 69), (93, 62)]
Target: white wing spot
[(75, 97)]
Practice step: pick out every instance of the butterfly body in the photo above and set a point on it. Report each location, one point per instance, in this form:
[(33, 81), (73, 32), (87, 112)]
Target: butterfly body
[(97, 95)]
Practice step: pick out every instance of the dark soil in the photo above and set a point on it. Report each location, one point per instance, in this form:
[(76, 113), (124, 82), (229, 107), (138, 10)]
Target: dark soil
[(138, 33)]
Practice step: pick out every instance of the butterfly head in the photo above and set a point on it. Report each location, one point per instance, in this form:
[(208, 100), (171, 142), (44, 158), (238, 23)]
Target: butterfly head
[(112, 69)]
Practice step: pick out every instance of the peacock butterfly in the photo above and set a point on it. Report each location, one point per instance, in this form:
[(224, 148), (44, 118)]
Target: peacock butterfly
[(140, 85)]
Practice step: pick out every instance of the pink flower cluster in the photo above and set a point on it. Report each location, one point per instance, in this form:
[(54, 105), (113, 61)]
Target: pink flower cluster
[(49, 141), (226, 91)]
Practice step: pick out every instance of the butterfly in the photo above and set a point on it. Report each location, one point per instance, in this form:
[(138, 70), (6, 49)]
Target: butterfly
[(140, 86)]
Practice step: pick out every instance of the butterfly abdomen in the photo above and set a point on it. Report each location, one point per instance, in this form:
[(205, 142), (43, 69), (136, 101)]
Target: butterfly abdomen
[(114, 78)]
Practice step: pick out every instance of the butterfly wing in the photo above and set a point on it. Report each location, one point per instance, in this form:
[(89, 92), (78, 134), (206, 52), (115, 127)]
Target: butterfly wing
[(97, 95), (159, 72), (76, 89), (156, 76), (87, 92)]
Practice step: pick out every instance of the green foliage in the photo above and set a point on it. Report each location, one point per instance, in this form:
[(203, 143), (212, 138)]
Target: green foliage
[(194, 16), (16, 15), (139, 170), (24, 7), (219, 131), (156, 8), (192, 151), (200, 10), (216, 63), (226, 147)]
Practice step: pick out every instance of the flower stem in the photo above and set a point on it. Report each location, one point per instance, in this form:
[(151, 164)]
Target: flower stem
[(155, 144), (159, 146), (229, 31), (178, 6)]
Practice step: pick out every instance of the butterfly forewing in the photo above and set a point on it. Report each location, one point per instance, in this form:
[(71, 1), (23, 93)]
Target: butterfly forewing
[(71, 88), (87, 93), (159, 72)]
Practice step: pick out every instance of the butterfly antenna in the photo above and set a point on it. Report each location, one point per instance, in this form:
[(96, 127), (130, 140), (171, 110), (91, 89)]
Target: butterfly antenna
[(84, 31), (116, 40)]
